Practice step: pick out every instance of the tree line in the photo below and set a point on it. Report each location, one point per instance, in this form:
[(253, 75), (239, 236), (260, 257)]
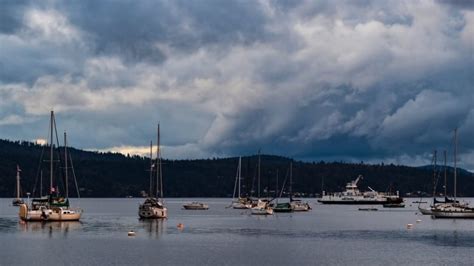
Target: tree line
[(117, 175)]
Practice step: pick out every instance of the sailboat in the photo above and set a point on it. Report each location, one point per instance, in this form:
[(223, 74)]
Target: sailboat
[(262, 206), (446, 198), (17, 201), (153, 207), (453, 209), (429, 210), (53, 207), (296, 204), (239, 202), (285, 206)]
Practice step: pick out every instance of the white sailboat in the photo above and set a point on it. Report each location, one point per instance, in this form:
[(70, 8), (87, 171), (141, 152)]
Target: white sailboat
[(153, 207), (455, 209), (17, 201), (429, 210), (54, 207), (296, 204), (262, 206), (239, 202)]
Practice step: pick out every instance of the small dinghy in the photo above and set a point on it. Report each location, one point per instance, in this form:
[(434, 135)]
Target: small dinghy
[(196, 206)]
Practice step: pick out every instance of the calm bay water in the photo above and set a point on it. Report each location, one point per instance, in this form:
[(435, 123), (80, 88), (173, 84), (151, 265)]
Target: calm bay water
[(327, 235)]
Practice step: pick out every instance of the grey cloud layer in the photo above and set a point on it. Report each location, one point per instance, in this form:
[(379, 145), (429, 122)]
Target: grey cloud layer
[(346, 80)]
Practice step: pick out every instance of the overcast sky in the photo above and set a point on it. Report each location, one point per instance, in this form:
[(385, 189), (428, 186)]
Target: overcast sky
[(357, 81)]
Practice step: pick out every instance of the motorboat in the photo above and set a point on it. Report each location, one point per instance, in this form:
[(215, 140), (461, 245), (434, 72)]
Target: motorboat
[(196, 206), (299, 206)]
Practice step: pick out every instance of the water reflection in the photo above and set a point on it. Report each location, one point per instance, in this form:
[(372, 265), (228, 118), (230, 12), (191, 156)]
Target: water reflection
[(50, 228), (154, 227)]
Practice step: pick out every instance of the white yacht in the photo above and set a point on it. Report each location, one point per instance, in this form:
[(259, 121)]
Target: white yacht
[(353, 195)]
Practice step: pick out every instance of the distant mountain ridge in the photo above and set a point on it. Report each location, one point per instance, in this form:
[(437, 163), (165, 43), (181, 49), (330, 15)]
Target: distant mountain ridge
[(118, 175), (449, 169)]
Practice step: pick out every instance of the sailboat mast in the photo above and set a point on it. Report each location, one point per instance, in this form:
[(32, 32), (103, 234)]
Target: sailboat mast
[(51, 155), (258, 185), (159, 178), (291, 181), (65, 165), (41, 184), (240, 173), (445, 179), (150, 191), (455, 160), (276, 186), (18, 181), (434, 175)]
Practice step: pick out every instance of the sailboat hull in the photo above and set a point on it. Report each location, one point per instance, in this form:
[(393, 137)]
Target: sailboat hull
[(454, 215), (153, 213), (283, 207), (453, 211), (49, 214)]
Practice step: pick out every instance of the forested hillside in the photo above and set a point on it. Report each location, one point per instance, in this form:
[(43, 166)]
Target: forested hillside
[(117, 175)]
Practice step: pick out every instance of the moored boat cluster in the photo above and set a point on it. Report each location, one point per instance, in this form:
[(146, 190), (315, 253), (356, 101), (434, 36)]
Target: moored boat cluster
[(55, 206)]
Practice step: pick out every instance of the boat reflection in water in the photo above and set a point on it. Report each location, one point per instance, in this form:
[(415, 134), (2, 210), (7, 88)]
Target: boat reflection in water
[(154, 228), (51, 228)]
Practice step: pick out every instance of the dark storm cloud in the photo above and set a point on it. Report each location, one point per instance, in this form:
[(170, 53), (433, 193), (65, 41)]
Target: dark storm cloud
[(134, 29), (11, 15), (339, 80), (463, 4)]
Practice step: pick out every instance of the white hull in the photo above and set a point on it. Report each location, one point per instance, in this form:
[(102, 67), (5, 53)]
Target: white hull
[(300, 206), (352, 195), (352, 200), (453, 210), (49, 214), (196, 206), (453, 215), (153, 213)]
